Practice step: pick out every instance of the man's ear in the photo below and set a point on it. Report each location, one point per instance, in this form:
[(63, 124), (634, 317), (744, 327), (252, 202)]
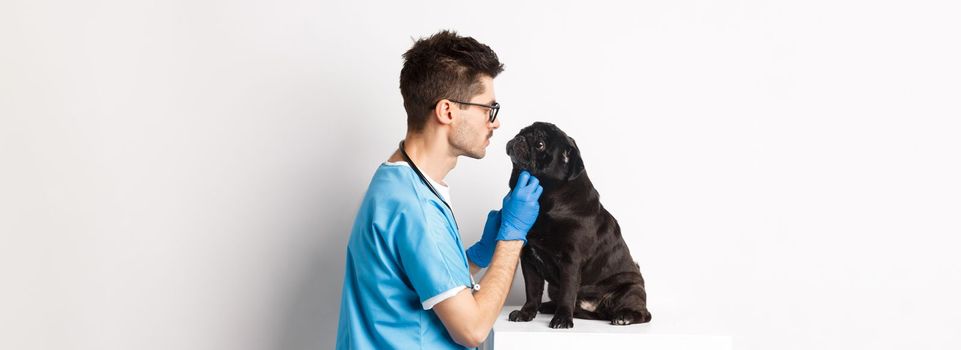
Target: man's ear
[(572, 156), (443, 112)]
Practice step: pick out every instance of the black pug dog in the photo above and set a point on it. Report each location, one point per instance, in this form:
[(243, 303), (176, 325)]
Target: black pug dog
[(575, 244)]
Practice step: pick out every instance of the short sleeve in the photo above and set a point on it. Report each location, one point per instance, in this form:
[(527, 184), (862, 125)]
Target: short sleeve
[(430, 255)]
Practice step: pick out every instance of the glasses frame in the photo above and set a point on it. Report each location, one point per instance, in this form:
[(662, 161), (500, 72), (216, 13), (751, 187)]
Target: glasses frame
[(492, 114)]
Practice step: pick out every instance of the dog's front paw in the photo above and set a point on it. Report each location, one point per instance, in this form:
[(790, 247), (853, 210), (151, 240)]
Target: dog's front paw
[(562, 321), (626, 317), (521, 315)]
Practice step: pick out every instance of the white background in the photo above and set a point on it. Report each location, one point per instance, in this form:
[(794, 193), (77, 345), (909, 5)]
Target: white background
[(183, 174)]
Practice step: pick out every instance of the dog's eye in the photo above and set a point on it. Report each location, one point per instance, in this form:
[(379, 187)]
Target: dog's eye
[(540, 145)]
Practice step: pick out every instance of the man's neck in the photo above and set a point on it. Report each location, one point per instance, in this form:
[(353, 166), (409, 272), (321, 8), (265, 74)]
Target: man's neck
[(431, 155)]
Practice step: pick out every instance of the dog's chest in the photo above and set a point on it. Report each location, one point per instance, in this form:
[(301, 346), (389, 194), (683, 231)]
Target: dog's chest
[(543, 260)]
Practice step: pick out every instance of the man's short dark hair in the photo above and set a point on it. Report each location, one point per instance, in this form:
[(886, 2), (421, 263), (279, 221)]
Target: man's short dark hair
[(444, 65)]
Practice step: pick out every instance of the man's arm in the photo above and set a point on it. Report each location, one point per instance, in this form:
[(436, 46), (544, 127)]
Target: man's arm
[(468, 316)]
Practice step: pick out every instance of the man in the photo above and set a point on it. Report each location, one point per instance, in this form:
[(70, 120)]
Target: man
[(408, 283)]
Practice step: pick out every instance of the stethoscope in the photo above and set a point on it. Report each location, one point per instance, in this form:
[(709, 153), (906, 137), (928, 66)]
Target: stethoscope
[(474, 285), (424, 179)]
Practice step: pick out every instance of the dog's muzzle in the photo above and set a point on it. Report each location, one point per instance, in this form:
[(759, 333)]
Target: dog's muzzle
[(517, 149)]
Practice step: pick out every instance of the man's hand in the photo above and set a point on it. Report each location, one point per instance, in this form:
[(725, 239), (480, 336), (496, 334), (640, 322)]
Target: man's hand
[(520, 208), (481, 252)]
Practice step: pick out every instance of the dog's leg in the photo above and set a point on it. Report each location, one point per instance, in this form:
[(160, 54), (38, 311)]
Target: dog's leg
[(632, 307), (534, 286), (570, 280), (548, 307)]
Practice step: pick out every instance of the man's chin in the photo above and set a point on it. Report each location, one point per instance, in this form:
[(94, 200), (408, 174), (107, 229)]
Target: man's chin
[(477, 155)]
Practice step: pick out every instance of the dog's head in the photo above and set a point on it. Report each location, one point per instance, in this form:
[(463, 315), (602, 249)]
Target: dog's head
[(546, 152)]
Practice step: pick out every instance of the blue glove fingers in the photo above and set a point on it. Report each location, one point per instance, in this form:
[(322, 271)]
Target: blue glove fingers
[(537, 193), (532, 186), (521, 208), (522, 180), (533, 181)]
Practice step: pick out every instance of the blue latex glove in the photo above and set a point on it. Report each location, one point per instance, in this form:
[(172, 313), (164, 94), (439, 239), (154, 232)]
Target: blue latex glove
[(520, 208), (482, 251)]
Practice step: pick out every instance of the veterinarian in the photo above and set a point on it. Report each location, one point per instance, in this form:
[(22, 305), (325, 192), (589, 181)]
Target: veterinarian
[(408, 282)]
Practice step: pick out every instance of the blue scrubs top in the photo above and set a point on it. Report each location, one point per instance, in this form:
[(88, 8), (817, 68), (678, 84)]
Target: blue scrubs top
[(404, 255)]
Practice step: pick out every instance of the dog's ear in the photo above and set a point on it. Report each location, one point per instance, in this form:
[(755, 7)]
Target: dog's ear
[(572, 157)]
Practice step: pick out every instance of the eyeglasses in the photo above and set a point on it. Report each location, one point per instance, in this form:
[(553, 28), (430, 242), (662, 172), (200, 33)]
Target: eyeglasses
[(494, 108)]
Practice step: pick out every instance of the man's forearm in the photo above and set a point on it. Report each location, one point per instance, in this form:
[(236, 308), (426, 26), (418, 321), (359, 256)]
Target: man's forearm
[(497, 281)]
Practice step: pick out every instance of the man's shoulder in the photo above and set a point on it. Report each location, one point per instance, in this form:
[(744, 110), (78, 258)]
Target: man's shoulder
[(394, 183), (397, 188)]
